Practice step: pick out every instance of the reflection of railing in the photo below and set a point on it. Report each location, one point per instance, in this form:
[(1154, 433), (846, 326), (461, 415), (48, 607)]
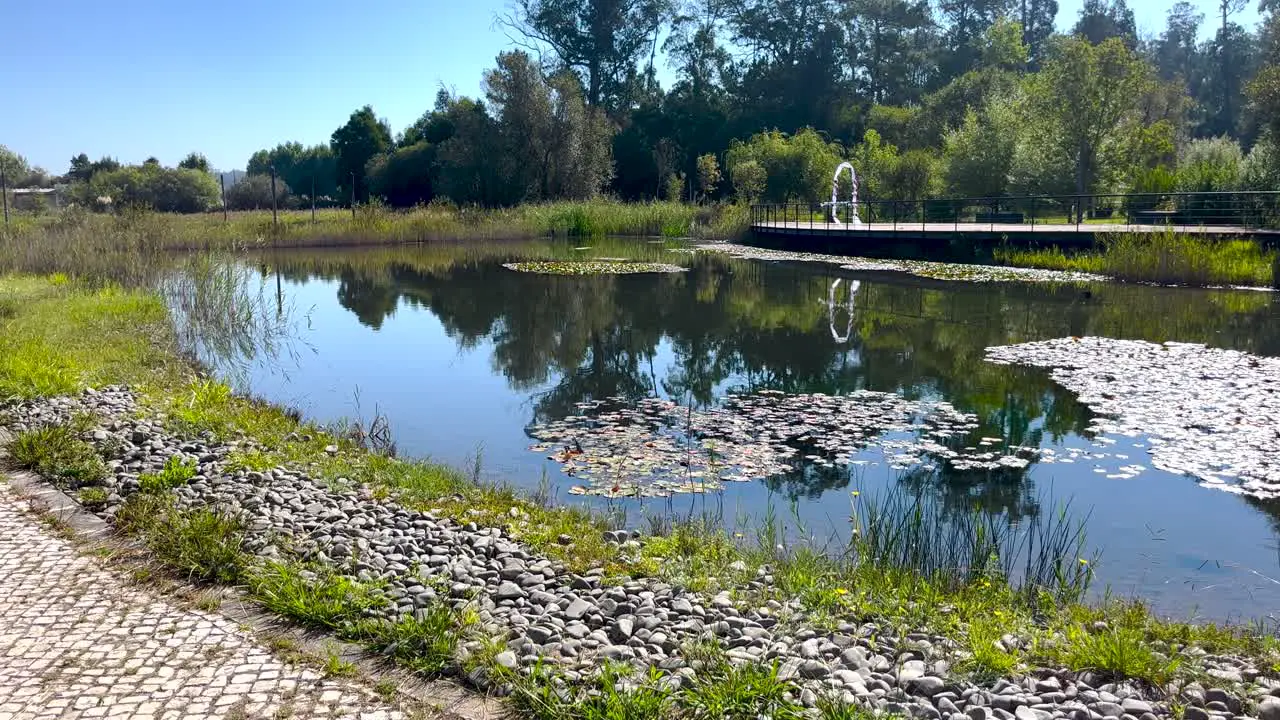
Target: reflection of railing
[(831, 310), (1102, 212)]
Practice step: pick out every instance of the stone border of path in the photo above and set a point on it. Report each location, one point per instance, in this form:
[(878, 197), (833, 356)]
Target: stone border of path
[(440, 699)]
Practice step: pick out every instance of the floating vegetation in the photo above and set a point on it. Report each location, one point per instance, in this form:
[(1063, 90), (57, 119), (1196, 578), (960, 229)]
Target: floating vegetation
[(1209, 413), (655, 447), (922, 268), (601, 266)]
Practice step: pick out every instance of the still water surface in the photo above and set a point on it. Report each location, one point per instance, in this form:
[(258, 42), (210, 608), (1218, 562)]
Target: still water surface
[(464, 356)]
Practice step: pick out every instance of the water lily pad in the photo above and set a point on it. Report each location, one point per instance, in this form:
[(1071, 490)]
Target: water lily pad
[(611, 266)]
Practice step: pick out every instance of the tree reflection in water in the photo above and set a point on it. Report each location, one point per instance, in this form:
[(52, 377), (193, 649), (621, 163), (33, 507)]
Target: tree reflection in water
[(735, 326)]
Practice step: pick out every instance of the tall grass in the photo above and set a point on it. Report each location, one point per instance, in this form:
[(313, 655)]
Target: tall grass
[(903, 532), (76, 240), (1165, 257)]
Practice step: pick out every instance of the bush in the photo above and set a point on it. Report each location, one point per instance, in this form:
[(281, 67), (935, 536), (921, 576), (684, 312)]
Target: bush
[(151, 186), (1210, 165), (254, 193), (797, 167)]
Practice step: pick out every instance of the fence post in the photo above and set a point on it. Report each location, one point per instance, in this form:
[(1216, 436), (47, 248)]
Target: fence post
[(222, 180), (353, 196), (1033, 213), (275, 220), (4, 194), (313, 199)]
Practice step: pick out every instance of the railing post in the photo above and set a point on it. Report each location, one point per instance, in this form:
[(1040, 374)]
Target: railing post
[(1033, 213)]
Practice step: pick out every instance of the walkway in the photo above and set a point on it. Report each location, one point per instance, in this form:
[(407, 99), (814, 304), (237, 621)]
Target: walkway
[(79, 641)]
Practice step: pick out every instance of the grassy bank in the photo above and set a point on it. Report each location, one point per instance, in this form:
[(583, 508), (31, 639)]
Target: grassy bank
[(910, 567), (137, 230), (1167, 258)]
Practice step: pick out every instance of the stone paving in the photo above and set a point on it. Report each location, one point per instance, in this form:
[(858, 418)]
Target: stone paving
[(79, 641)]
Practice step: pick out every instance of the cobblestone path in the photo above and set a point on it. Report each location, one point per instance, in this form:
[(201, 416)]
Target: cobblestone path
[(79, 641)]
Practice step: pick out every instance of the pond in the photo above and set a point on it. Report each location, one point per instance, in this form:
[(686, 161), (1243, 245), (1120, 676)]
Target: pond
[(474, 363)]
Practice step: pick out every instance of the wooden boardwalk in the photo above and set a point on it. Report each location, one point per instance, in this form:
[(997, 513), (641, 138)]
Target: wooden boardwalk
[(1083, 234)]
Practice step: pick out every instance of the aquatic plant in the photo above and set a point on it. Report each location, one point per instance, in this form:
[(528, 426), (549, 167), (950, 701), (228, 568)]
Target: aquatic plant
[(592, 267), (1165, 257)]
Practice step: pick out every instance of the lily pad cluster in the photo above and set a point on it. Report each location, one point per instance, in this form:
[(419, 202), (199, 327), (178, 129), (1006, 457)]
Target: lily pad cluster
[(1208, 413), (655, 447), (922, 268), (603, 266)]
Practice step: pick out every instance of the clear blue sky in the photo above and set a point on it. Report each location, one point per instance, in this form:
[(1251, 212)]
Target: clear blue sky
[(156, 77)]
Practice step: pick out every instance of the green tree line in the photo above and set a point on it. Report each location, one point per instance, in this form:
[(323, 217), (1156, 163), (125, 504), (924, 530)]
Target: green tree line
[(955, 98)]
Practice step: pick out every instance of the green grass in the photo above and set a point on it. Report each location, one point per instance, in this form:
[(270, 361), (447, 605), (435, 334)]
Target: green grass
[(1165, 257), (176, 473), (93, 498), (424, 642), (57, 452), (200, 544), (312, 595), (1118, 651)]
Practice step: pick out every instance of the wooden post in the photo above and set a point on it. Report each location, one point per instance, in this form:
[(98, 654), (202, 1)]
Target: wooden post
[(353, 196), (275, 220), (313, 198), (4, 194), (222, 180)]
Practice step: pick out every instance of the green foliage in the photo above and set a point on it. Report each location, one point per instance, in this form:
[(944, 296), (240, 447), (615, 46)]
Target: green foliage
[(988, 658), (1261, 169), (195, 161), (176, 473), (749, 179), (93, 498), (979, 154), (354, 144), (796, 167), (56, 452), (1082, 104), (424, 642), (254, 193), (30, 368), (1164, 257), (745, 692), (152, 187), (708, 175), (1121, 650), (314, 595), (13, 165), (1210, 165), (202, 544)]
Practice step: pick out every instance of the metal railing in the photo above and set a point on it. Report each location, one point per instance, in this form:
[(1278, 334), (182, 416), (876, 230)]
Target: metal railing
[(1204, 211)]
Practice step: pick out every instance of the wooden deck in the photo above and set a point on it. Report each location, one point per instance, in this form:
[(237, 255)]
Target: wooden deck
[(1083, 234)]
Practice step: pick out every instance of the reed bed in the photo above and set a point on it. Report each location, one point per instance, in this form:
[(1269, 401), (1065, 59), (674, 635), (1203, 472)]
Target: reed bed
[(1167, 258)]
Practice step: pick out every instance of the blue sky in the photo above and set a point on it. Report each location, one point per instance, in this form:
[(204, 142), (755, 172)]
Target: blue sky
[(156, 77)]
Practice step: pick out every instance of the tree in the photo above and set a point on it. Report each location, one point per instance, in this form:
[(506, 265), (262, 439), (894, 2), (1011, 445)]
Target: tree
[(15, 166), (354, 144), (888, 46), (966, 22), (254, 193), (195, 161), (159, 188), (979, 154), (798, 167), (749, 179), (1083, 98), (1210, 165), (601, 40), (1101, 20), (518, 97), (708, 175)]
